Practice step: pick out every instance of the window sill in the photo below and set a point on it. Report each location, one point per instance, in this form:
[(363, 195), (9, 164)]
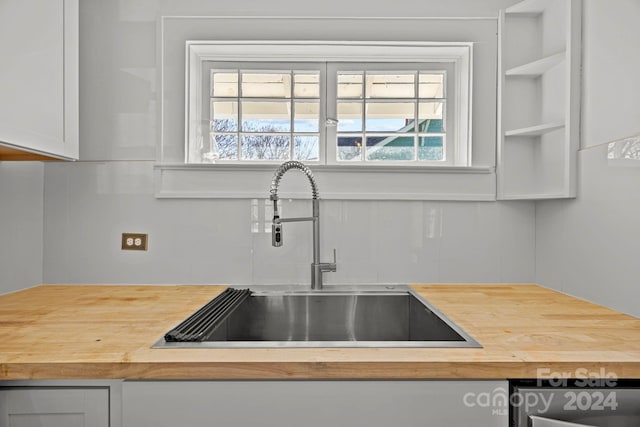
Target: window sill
[(352, 182)]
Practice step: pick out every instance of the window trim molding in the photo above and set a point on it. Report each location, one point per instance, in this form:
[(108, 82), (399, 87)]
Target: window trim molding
[(173, 178), (201, 181), (460, 54)]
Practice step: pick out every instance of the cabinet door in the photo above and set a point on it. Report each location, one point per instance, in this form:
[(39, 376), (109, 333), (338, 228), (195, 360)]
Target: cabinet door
[(315, 403), (39, 76), (54, 407)]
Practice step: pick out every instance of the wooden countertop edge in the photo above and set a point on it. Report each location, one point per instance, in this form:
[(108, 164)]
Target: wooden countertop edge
[(309, 370), (537, 329)]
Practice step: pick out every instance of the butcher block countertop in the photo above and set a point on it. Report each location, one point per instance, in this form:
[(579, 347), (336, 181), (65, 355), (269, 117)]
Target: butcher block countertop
[(106, 332)]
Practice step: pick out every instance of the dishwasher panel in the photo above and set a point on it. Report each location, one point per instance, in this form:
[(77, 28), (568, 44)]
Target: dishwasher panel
[(547, 422), (537, 404)]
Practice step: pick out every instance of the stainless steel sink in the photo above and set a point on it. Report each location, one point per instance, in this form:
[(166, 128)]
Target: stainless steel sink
[(338, 316)]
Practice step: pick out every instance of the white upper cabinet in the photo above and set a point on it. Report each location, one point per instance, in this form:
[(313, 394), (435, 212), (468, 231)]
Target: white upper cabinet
[(539, 99), (38, 79)]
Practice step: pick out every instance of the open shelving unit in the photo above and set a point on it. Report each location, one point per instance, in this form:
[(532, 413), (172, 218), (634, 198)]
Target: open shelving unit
[(535, 130), (539, 99), (536, 68)]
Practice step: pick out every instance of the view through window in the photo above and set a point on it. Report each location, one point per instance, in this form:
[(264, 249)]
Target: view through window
[(263, 114), (390, 116)]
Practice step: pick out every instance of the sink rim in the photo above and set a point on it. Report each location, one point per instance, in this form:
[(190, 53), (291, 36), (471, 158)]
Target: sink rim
[(328, 290)]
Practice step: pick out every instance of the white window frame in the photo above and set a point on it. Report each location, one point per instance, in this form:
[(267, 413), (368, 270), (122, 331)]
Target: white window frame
[(451, 121), (202, 113), (456, 56)]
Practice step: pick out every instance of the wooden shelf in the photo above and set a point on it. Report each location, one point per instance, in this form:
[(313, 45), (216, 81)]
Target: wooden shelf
[(535, 130), (536, 68), (528, 7)]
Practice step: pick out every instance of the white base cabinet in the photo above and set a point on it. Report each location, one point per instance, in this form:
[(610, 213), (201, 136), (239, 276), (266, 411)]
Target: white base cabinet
[(117, 403), (54, 407), (315, 403)]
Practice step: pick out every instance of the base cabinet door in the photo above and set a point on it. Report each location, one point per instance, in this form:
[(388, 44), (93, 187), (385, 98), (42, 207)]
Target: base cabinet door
[(54, 407), (315, 403)]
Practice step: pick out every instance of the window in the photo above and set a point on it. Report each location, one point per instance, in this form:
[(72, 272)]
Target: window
[(390, 113), (464, 51), (341, 104), (261, 112)]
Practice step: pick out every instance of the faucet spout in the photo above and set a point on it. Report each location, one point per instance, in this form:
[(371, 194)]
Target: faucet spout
[(317, 267), (292, 164)]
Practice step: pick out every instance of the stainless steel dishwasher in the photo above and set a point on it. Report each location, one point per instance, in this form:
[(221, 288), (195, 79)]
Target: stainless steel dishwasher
[(586, 402)]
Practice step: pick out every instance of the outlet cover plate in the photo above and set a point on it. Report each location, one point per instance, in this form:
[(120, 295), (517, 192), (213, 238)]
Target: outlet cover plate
[(134, 242)]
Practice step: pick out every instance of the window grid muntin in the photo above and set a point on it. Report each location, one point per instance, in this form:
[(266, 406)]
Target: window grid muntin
[(240, 132), (323, 146), (416, 124)]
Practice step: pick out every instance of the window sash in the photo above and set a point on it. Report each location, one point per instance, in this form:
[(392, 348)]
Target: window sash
[(334, 68), (206, 93)]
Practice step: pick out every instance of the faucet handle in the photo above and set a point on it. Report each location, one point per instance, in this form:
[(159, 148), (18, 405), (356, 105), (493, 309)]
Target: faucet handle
[(327, 266), (333, 266)]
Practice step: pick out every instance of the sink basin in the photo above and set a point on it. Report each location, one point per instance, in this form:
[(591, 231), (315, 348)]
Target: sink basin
[(337, 316)]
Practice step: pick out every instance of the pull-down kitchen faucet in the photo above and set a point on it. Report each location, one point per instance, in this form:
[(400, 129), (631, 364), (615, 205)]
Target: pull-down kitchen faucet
[(317, 267)]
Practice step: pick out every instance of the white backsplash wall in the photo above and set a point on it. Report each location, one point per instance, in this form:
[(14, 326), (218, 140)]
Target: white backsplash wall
[(89, 204), (589, 247), (611, 66), (21, 225)]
